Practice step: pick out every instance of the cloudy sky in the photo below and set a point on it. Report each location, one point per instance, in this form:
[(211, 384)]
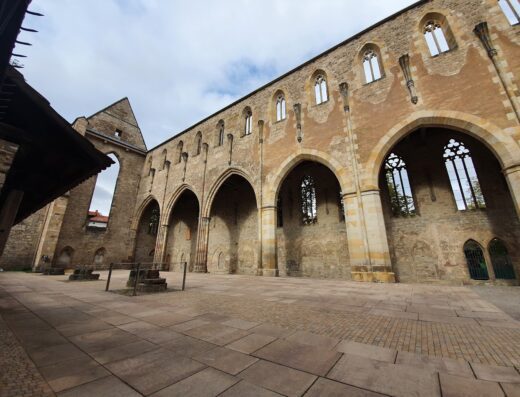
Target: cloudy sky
[(178, 60)]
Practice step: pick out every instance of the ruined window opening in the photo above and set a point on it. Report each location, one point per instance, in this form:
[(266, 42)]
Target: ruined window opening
[(308, 201), (401, 198), (279, 212), (371, 66), (248, 126), (320, 89), (280, 108), (463, 177), (435, 38), (199, 143), (500, 260), (475, 259), (511, 9), (118, 133), (153, 224)]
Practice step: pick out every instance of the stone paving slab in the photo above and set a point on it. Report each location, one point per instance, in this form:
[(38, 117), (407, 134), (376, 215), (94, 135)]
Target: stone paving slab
[(226, 335)]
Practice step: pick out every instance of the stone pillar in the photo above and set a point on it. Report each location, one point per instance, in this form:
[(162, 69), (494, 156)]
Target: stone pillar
[(160, 244), (201, 255), (8, 213), (50, 232), (378, 252), (268, 241), (356, 240), (512, 175)]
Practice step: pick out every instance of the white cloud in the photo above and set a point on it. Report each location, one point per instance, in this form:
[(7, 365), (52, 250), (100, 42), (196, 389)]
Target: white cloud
[(178, 61)]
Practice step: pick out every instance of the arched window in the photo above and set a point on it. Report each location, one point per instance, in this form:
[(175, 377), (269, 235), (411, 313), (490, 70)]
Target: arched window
[(248, 121), (220, 137), (371, 66), (180, 146), (153, 223), (320, 89), (198, 143), (101, 203), (435, 37), (463, 177), (280, 107), (511, 9), (99, 257), (475, 260), (164, 159), (396, 175), (308, 201), (501, 260)]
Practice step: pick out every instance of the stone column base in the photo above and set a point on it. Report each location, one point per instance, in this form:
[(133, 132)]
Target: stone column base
[(270, 272), (377, 277)]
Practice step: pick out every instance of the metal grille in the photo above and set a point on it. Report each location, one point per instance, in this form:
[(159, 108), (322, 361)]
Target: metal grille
[(500, 260), (476, 262)]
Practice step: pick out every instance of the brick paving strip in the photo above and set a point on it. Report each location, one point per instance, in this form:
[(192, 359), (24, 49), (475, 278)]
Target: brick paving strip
[(236, 336)]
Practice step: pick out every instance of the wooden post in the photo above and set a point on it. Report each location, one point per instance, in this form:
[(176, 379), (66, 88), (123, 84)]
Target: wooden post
[(109, 276)]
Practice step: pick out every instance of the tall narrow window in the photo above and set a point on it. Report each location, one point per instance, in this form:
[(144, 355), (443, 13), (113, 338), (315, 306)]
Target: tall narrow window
[(401, 197), (320, 89), (371, 66), (279, 211), (103, 195), (220, 136), (198, 143), (501, 260), (248, 122), (475, 259), (308, 201), (463, 177), (180, 146), (511, 9), (280, 108), (153, 223), (435, 38)]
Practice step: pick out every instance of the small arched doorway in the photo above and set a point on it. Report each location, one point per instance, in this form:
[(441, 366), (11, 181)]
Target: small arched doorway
[(500, 259), (65, 257), (475, 260), (99, 257)]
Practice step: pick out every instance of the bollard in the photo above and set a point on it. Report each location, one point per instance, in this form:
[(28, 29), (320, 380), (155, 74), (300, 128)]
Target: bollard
[(184, 275), (136, 279), (109, 276)]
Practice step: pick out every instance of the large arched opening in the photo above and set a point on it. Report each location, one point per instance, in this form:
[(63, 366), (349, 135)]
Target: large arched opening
[(146, 234), (181, 240), (311, 233), (441, 188), (233, 229)]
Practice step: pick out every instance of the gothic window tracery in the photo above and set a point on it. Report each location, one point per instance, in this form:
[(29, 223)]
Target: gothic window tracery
[(371, 66), (280, 107), (435, 38), (463, 177), (320, 89), (309, 209), (401, 197)]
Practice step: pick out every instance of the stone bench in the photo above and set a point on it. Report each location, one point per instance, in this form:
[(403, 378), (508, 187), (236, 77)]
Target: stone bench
[(83, 274)]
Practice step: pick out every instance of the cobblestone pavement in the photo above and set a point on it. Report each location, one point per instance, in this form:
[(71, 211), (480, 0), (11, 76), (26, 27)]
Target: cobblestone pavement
[(238, 335)]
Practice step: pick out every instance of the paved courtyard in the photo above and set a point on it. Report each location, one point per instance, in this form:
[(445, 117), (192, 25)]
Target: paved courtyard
[(256, 336)]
